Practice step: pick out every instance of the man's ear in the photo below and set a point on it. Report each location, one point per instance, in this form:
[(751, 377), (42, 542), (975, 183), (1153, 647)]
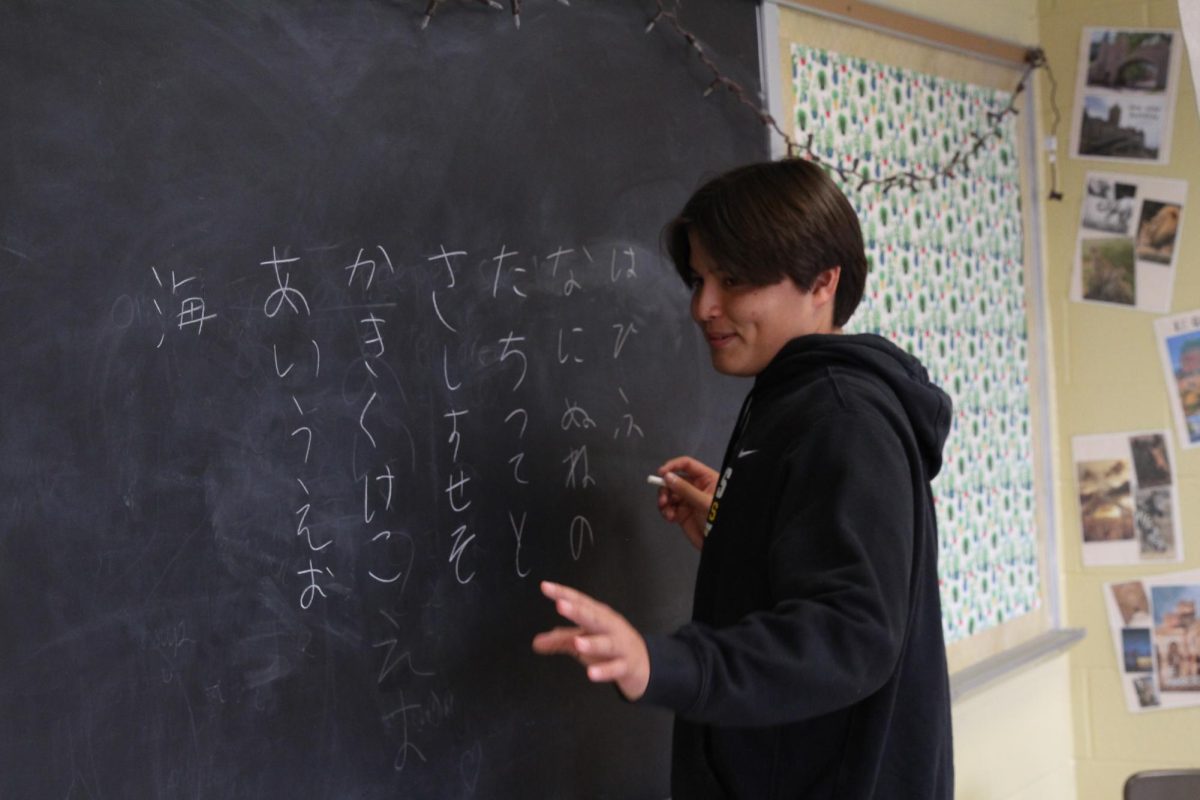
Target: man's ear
[(824, 288)]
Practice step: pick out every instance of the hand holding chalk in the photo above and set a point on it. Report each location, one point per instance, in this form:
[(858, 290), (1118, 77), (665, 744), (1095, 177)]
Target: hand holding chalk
[(685, 494)]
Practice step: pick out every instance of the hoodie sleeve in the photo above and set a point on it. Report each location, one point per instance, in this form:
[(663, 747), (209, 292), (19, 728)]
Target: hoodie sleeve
[(839, 567)]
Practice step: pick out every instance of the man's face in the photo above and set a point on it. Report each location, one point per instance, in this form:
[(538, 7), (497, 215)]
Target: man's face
[(745, 326)]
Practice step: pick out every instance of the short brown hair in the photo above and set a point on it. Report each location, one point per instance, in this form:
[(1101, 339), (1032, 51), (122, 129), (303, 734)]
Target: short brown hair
[(774, 220)]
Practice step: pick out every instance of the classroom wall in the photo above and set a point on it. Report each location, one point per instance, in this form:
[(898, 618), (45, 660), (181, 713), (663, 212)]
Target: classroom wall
[(1011, 20), (1012, 740), (1109, 380)]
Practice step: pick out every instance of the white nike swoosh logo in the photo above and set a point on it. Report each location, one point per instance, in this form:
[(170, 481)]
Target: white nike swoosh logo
[(745, 453)]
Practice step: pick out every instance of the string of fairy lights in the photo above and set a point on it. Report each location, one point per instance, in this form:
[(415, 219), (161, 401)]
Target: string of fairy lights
[(666, 15)]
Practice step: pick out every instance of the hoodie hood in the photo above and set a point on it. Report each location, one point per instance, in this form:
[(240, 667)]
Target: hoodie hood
[(928, 407)]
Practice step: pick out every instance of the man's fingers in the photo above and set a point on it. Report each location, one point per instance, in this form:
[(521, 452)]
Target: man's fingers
[(578, 607), (556, 591), (692, 470), (581, 612), (685, 464), (595, 646), (606, 671), (696, 498), (556, 642)]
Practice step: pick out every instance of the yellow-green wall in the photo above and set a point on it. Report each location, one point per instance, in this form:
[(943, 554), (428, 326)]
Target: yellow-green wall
[(1109, 379), (1011, 20), (1012, 741)]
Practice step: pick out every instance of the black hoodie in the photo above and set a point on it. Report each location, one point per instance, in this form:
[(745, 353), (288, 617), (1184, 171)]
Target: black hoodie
[(814, 666)]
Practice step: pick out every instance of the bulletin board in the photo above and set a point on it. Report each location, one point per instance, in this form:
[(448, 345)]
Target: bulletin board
[(954, 280)]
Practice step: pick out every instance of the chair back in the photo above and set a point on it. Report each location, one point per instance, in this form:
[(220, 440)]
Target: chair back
[(1163, 784)]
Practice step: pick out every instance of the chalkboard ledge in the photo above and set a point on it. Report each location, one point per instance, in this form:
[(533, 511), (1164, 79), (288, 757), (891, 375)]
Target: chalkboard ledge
[(979, 676)]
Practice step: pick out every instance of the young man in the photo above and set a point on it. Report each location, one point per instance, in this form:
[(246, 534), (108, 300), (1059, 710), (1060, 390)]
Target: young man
[(814, 666)]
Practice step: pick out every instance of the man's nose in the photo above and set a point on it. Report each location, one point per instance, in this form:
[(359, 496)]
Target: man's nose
[(705, 305)]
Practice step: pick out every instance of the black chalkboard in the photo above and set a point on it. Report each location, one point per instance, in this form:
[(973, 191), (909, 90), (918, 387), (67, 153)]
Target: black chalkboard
[(277, 477)]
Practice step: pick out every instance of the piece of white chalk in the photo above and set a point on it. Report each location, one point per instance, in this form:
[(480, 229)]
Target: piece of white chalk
[(654, 480)]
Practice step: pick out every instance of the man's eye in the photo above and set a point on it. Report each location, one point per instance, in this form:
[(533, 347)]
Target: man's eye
[(730, 282)]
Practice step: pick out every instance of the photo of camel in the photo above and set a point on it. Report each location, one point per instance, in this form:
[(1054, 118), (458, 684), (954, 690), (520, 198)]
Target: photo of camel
[(1108, 270)]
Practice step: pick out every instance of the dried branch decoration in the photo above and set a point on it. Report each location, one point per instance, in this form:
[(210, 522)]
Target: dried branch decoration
[(960, 161)]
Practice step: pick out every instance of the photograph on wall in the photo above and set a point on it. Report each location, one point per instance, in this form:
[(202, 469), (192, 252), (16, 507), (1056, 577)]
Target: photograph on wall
[(1125, 252), (1156, 638), (1179, 346), (1189, 20), (1125, 94), (1177, 637), (1128, 501)]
